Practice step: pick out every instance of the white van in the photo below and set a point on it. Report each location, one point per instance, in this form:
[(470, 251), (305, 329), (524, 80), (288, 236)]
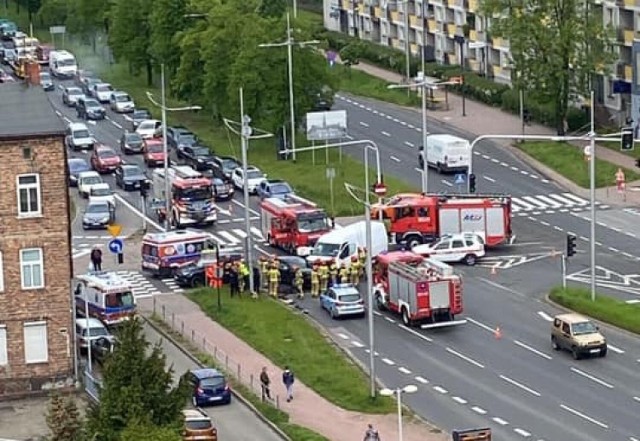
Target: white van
[(62, 64), (447, 153), (90, 329), (342, 244)]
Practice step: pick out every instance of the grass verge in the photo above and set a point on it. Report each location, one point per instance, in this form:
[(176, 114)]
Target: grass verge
[(607, 309), (569, 162), (357, 82), (289, 339), (276, 416)]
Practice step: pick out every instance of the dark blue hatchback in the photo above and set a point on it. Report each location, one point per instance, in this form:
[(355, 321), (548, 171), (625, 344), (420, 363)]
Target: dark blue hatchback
[(209, 387)]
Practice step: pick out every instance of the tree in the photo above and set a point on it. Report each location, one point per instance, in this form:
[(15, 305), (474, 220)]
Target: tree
[(272, 8), (137, 388), (557, 46), (136, 431), (63, 419), (53, 12), (167, 19)]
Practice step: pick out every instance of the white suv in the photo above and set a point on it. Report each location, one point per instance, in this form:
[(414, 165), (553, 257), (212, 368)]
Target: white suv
[(79, 137), (87, 181), (254, 178), (467, 248)]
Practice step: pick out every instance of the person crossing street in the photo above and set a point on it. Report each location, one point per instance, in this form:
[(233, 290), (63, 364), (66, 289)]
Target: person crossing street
[(315, 281), (298, 282)]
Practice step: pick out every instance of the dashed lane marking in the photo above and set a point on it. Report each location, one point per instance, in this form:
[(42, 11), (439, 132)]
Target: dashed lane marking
[(465, 358), (479, 410), (393, 158), (387, 134), (488, 178), (533, 350), (459, 400), (421, 380), (440, 390), (388, 362), (522, 432), (343, 336), (415, 333), (409, 144), (584, 416), (500, 421), (592, 378), (404, 370), (545, 316), (357, 344), (615, 349), (364, 124), (520, 385)]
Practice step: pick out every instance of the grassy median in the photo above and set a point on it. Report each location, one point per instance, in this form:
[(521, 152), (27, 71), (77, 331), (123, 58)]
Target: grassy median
[(289, 339), (607, 309)]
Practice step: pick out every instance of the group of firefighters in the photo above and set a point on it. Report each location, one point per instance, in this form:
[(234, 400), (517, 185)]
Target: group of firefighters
[(323, 274)]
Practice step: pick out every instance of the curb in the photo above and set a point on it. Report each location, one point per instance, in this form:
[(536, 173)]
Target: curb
[(240, 398)]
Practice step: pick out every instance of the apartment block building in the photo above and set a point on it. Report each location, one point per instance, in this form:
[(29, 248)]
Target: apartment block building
[(36, 320), (437, 26)]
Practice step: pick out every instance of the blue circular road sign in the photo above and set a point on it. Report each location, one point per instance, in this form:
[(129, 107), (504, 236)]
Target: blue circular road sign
[(116, 246)]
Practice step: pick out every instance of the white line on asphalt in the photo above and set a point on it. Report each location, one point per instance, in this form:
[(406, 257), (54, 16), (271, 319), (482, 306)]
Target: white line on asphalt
[(637, 399), (377, 313), (625, 254), (477, 153), (615, 349), (367, 109), (555, 227), (418, 170), (546, 224), (631, 438), (343, 336), (440, 389), (389, 362), (368, 351), (486, 157), (136, 212), (403, 123), (393, 158), (357, 344), (494, 160), (520, 385), (504, 164), (582, 415), (630, 234), (416, 333), (447, 183), (81, 253), (459, 400), (479, 410), (349, 137), (585, 238), (364, 124), (409, 144), (251, 210), (404, 370), (524, 172), (386, 133), (534, 350), (522, 432), (546, 181), (545, 316), (514, 168), (615, 250), (592, 378), (396, 120), (488, 178), (116, 124), (422, 380), (481, 325), (500, 421), (389, 319), (465, 358)]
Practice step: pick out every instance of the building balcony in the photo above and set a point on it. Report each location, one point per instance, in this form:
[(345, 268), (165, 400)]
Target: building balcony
[(473, 35), (415, 21), (451, 30), (474, 65), (377, 12), (395, 16), (473, 6), (628, 73), (345, 5), (629, 36), (433, 25), (415, 49), (500, 43), (396, 43), (497, 71)]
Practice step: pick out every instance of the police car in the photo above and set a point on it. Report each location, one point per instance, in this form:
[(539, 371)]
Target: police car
[(467, 248), (342, 300)]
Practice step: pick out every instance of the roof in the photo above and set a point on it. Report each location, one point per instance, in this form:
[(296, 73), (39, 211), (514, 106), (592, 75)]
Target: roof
[(32, 115), (206, 373), (398, 256), (194, 414), (572, 318)]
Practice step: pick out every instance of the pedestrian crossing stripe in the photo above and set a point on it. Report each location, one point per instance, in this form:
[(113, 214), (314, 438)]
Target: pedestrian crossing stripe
[(557, 202), (141, 286), (236, 236)]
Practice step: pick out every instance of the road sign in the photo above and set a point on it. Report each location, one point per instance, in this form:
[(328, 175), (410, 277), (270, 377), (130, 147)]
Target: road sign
[(57, 30), (380, 189), (157, 204), (460, 179), (477, 45), (116, 246), (114, 229)]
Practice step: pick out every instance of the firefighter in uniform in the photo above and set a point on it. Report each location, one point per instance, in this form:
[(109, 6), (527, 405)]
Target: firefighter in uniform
[(354, 271), (324, 277), (264, 268), (362, 258), (243, 272), (315, 281), (333, 272), (298, 282), (274, 278), (344, 273)]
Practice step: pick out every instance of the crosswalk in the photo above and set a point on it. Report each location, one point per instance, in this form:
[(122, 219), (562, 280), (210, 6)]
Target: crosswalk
[(142, 287), (549, 204), (236, 236)]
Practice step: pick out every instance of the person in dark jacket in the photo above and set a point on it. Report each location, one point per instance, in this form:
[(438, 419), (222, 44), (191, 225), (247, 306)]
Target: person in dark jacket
[(234, 281), (288, 379), (96, 259), (265, 381), (371, 434)]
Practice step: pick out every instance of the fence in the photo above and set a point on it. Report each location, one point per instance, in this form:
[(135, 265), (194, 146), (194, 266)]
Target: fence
[(91, 386), (222, 360)]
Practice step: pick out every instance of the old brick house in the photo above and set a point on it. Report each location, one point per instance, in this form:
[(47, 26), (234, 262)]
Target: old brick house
[(36, 322)]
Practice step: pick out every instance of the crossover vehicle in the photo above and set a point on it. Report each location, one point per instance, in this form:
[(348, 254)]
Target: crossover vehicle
[(465, 247), (78, 137), (253, 179), (209, 386), (198, 426), (98, 215), (88, 108), (274, 188), (578, 335), (121, 102)]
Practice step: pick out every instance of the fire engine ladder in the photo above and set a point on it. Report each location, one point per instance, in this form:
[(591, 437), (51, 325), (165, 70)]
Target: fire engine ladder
[(428, 269), (500, 197)]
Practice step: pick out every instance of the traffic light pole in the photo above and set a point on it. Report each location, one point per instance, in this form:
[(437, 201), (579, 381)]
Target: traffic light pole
[(563, 264)]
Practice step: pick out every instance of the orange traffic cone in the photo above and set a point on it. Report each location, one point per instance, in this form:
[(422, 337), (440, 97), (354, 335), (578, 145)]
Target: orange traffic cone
[(497, 333)]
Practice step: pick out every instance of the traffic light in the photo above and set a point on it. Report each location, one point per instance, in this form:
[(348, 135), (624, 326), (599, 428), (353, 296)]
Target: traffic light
[(627, 141), (472, 183), (571, 245), (144, 188)]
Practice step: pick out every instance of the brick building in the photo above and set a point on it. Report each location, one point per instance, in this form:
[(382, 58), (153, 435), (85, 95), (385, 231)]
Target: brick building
[(36, 333)]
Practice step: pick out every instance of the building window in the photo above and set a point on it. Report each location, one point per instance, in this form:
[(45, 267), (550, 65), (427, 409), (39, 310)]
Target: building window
[(3, 346), (29, 203), (31, 268), (1, 273), (36, 348)]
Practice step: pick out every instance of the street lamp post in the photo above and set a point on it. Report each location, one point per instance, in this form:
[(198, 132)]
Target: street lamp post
[(407, 53), (165, 149), (289, 43), (409, 389)]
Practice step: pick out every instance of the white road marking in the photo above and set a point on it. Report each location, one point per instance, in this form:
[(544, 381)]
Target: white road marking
[(116, 124), (343, 336), (479, 410), (465, 358), (534, 350), (137, 213), (418, 170), (515, 169), (230, 238), (389, 319), (409, 144), (504, 164), (357, 344), (592, 378), (545, 316), (440, 389), (419, 379), (416, 333), (630, 234), (481, 325), (615, 250), (494, 160), (520, 385), (557, 228), (524, 172), (393, 158), (637, 399), (386, 133), (488, 178), (389, 362), (368, 351), (522, 432), (582, 415), (546, 224), (404, 370), (615, 349), (459, 400), (447, 183), (500, 421), (486, 157)]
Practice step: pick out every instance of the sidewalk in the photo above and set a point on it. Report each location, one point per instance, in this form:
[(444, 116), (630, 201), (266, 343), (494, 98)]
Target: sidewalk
[(308, 409)]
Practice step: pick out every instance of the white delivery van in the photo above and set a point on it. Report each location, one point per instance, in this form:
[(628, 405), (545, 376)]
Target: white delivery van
[(342, 244), (447, 153), (62, 64)]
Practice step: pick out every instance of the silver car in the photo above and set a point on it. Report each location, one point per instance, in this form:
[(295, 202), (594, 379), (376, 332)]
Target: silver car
[(98, 215)]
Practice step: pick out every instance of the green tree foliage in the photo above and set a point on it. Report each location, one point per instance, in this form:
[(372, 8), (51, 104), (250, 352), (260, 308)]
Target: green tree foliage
[(137, 388), (53, 12), (166, 21), (64, 420), (557, 46), (272, 8), (85, 17), (136, 431)]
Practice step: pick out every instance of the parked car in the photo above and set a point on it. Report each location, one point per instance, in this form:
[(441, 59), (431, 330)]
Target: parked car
[(131, 142), (102, 348), (578, 335), (287, 267), (209, 386), (78, 137), (193, 275), (71, 95), (129, 177), (138, 116), (342, 300), (175, 133), (465, 247), (198, 426), (86, 181), (153, 152), (104, 159), (223, 190), (223, 166), (149, 128), (102, 193), (199, 157), (90, 329), (254, 178), (88, 108), (102, 92), (75, 167), (274, 188), (98, 214), (121, 102), (46, 82)]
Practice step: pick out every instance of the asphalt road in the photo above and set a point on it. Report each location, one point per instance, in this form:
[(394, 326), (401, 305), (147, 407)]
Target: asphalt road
[(235, 422)]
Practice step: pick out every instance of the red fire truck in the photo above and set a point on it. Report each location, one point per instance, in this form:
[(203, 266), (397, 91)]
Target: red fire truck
[(293, 223), (422, 291), (417, 218)]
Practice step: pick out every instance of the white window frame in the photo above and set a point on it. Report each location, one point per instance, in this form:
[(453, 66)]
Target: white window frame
[(28, 187), (1, 273), (30, 358), (4, 356), (40, 262)]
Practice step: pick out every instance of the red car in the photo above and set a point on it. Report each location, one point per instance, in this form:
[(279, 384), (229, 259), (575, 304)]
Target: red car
[(104, 159), (153, 152)]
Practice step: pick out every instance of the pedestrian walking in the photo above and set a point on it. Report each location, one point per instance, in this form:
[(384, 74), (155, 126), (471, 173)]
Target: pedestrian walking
[(234, 282), (265, 381), (371, 434), (96, 259), (288, 379)]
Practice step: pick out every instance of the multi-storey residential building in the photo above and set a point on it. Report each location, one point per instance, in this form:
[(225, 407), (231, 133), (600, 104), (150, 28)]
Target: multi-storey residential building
[(434, 24), (36, 319)]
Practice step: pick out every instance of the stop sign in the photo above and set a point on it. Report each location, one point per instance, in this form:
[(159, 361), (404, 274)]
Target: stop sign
[(380, 189)]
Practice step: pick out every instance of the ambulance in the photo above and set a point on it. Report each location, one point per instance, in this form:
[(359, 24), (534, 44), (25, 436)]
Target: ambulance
[(105, 296), (164, 253)]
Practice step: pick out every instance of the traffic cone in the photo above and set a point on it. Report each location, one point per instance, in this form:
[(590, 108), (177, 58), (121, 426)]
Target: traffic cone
[(497, 333), (494, 271)]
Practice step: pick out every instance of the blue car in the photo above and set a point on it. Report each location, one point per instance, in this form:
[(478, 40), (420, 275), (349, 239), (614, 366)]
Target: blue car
[(274, 188), (343, 300), (75, 167), (210, 386)]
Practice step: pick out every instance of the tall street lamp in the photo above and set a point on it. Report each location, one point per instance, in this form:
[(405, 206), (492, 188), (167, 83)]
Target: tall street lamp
[(163, 106), (289, 43), (407, 50), (409, 389)]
